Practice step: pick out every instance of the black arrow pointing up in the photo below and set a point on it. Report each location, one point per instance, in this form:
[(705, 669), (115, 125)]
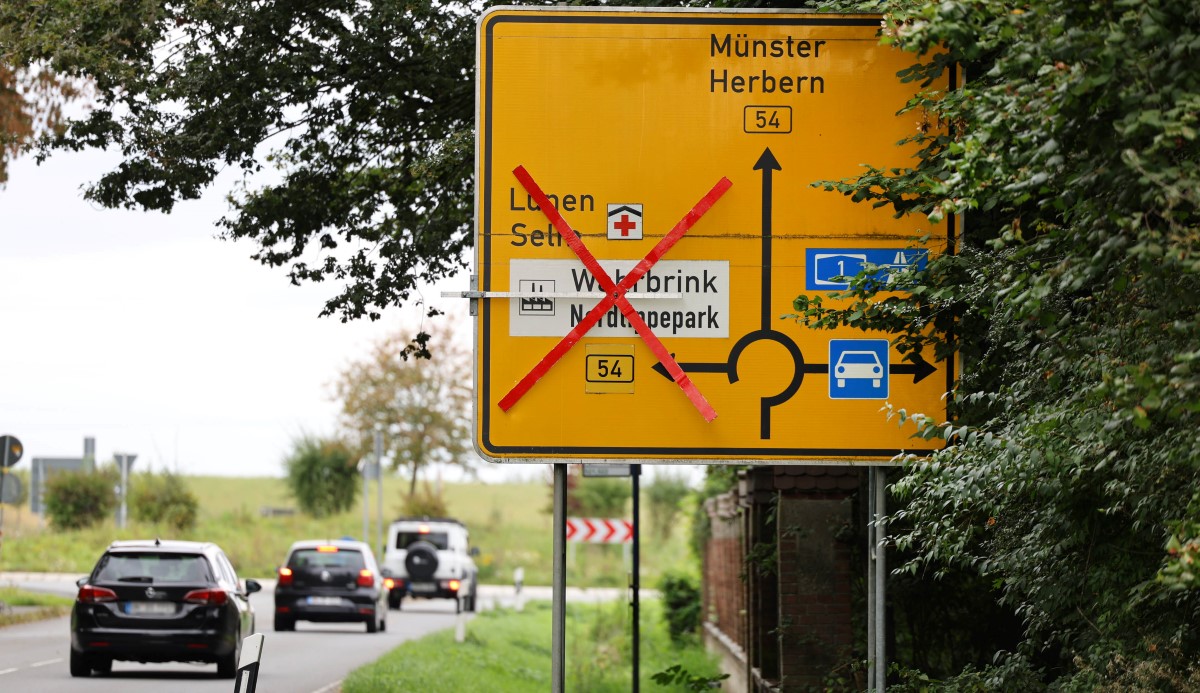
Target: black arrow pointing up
[(766, 163)]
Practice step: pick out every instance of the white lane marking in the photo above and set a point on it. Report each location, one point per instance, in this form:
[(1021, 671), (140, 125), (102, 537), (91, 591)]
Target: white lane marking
[(7, 671), (45, 663), (330, 688)]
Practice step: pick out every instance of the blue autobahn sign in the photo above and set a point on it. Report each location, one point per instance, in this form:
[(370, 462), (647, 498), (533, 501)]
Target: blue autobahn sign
[(830, 269), (858, 369)]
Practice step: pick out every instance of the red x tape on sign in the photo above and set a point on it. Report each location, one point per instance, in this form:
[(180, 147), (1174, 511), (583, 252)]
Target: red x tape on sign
[(615, 294)]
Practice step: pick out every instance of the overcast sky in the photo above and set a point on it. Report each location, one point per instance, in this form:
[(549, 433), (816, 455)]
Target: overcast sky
[(152, 336)]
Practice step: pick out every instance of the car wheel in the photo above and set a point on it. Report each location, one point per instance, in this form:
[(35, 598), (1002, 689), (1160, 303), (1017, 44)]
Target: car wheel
[(383, 625), (394, 601), (80, 666), (102, 665), (283, 623), (373, 624), (228, 664)]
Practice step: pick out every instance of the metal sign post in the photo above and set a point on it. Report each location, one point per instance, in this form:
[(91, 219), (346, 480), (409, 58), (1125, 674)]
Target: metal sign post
[(124, 462), (635, 578), (558, 628)]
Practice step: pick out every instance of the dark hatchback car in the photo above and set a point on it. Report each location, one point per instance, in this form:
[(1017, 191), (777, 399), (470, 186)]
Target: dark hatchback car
[(161, 601), (330, 581)]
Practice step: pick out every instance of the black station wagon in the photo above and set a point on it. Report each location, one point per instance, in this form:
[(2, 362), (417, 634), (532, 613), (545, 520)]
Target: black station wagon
[(161, 601)]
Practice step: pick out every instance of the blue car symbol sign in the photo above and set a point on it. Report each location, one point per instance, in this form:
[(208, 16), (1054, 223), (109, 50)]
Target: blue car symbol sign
[(858, 369)]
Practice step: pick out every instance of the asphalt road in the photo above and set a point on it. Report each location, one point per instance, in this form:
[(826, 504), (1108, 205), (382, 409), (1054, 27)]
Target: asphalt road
[(312, 659)]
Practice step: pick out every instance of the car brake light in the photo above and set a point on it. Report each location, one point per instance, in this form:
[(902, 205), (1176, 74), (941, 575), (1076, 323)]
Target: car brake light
[(454, 585), (285, 576), (390, 583), (209, 597), (327, 549), (365, 578), (422, 529), (94, 595)]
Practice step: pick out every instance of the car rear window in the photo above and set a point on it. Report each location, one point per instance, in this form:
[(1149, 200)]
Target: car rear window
[(441, 540), (325, 558), (153, 567)]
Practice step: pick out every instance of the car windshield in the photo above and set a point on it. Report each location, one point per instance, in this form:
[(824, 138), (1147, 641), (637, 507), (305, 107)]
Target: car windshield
[(153, 567), (441, 540), (859, 357), (326, 558)]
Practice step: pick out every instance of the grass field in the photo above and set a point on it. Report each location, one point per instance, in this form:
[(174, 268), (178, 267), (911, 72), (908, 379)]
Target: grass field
[(508, 523), (511, 651)]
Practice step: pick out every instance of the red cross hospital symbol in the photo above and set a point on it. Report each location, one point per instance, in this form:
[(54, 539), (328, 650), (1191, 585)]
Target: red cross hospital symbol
[(615, 294), (624, 225)]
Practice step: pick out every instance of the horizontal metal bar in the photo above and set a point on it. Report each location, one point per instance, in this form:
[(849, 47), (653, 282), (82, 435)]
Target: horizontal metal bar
[(551, 294)]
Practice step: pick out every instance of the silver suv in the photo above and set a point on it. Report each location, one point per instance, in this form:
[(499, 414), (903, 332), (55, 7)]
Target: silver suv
[(430, 557)]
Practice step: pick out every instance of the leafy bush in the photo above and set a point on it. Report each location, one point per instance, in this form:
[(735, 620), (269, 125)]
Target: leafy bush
[(665, 495), (600, 497), (681, 605), (163, 499), (322, 476), (424, 503), (76, 500)]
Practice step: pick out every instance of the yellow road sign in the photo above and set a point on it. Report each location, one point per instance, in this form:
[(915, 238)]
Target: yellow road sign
[(645, 216)]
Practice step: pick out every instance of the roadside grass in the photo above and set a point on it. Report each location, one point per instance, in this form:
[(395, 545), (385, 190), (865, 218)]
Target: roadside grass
[(507, 651), (20, 606), (508, 523)]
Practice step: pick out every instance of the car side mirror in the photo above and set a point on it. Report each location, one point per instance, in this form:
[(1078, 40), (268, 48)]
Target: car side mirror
[(253, 586), (82, 581), (474, 551), (386, 572)]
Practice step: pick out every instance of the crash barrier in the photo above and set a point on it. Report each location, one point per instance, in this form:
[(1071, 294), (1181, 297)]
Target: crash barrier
[(247, 673)]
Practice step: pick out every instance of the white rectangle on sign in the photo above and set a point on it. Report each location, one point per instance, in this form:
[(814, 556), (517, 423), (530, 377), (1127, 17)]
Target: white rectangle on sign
[(702, 311)]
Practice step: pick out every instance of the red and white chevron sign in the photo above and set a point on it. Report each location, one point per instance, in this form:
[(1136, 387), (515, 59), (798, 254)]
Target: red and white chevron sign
[(593, 530)]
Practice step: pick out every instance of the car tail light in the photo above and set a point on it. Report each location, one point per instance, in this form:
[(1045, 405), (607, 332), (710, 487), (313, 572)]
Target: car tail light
[(209, 597), (454, 585), (285, 576), (389, 583), (365, 578), (94, 595)]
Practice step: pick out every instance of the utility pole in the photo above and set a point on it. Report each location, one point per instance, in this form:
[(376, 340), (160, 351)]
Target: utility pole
[(379, 482)]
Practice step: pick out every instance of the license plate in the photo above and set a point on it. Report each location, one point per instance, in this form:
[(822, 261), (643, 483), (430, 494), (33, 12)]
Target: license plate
[(324, 601), (149, 608), (418, 588)]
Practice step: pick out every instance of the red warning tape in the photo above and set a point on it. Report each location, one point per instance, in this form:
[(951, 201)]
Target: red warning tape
[(616, 294)]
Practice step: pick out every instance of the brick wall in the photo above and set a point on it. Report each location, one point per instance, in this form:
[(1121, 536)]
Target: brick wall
[(723, 589)]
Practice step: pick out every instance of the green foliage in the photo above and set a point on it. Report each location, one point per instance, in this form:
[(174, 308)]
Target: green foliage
[(163, 499), (75, 500), (420, 406), (665, 495), (322, 475), (718, 479), (1071, 302), (424, 503), (676, 675), (364, 110), (600, 497), (681, 605)]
